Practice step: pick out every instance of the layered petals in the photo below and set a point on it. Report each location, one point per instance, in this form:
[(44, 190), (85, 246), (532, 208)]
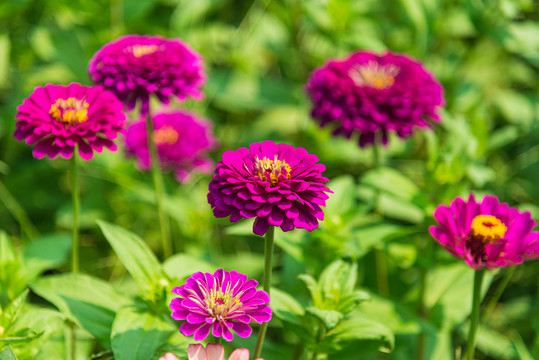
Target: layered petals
[(222, 302), (487, 234), (373, 95), (136, 66), (276, 184), (60, 118), (182, 139)]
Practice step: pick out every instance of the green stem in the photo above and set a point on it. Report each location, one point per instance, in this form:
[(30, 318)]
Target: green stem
[(489, 307), (76, 209), (268, 254), (474, 321), (381, 272), (422, 312), (159, 189), (18, 212)]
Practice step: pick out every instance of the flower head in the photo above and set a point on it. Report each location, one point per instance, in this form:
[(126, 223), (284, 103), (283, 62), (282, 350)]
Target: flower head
[(182, 140), (374, 94), (220, 302), (59, 117), (135, 66), (214, 352), (276, 183), (487, 234)]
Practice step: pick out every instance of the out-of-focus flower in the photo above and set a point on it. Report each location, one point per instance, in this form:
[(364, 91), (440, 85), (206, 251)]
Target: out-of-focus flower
[(487, 234), (220, 302), (59, 117), (169, 356), (374, 94), (215, 352), (182, 140), (135, 66), (276, 183)]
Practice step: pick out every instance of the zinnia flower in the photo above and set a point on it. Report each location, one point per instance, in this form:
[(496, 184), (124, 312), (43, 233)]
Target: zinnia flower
[(223, 301), (276, 183), (182, 140), (59, 117), (135, 66), (370, 94), (486, 234), (215, 352)]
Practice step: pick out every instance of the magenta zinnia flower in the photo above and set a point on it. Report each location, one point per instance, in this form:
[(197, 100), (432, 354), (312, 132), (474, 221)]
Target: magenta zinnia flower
[(214, 352), (486, 234), (276, 183), (182, 140), (370, 94), (59, 117), (223, 301), (135, 66)]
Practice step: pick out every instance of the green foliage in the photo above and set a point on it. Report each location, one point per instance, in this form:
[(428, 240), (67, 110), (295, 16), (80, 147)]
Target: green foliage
[(258, 55)]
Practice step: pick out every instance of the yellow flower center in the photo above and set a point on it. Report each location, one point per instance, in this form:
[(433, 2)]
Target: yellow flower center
[(374, 75), (220, 304), (270, 170), (141, 50), (165, 136), (70, 111), (488, 228)]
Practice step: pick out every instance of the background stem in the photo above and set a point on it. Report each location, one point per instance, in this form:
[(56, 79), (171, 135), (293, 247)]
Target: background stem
[(159, 189), (268, 254)]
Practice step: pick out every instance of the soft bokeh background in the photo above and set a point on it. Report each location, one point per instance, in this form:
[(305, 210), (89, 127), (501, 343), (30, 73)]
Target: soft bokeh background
[(258, 55)]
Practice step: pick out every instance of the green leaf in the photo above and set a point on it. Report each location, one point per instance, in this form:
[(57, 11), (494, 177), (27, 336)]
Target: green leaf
[(5, 49), (7, 354), (7, 252), (136, 256), (313, 288), (329, 318), (342, 199), (10, 314), (338, 279), (391, 181), (136, 335), (286, 307), (23, 335), (88, 301), (47, 252), (180, 266)]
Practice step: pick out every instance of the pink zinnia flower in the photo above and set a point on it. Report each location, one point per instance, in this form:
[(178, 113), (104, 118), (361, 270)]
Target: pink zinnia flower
[(135, 66), (486, 234), (214, 352), (370, 94), (220, 302), (276, 183), (182, 140), (59, 117)]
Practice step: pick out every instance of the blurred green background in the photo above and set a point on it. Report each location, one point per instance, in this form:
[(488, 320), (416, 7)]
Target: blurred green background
[(258, 56)]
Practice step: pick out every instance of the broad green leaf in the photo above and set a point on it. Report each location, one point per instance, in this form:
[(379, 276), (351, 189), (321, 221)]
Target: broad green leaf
[(314, 289), (349, 302), (329, 318), (23, 335), (88, 301), (47, 252), (285, 307), (136, 334), (392, 207), (7, 354), (391, 181), (343, 197), (7, 252), (337, 279), (136, 256), (180, 266), (9, 315)]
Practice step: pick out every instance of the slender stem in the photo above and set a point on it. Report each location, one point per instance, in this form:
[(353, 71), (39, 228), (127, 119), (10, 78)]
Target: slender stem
[(268, 254), (381, 272), (72, 341), (159, 189), (13, 206), (474, 321), (422, 312), (76, 209), (489, 307)]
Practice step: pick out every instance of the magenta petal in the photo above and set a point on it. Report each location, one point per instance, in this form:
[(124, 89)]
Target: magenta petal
[(242, 330)]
